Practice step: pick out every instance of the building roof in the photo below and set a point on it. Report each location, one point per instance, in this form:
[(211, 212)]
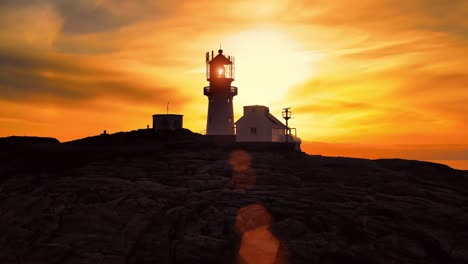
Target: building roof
[(220, 59), (275, 120), (269, 116), (166, 115)]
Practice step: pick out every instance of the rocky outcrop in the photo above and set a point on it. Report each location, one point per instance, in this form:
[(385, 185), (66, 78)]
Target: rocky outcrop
[(27, 141), (131, 205)]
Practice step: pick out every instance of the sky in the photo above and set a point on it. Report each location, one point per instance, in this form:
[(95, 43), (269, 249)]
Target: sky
[(374, 78)]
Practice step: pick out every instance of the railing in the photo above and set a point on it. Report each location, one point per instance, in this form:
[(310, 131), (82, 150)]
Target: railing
[(281, 134), (207, 90), (295, 131)]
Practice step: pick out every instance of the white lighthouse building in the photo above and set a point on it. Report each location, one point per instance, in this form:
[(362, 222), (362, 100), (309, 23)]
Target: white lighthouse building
[(220, 74)]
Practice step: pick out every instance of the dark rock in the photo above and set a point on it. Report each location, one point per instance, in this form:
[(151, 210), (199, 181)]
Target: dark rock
[(289, 229), (202, 249), (149, 203), (50, 253), (27, 141)]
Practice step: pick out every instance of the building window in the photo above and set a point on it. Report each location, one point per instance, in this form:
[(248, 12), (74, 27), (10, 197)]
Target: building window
[(253, 130)]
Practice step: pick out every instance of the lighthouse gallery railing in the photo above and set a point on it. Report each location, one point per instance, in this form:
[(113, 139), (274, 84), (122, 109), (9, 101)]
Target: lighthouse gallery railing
[(207, 90)]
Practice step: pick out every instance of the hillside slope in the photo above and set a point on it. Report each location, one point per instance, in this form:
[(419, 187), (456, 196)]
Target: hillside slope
[(163, 204)]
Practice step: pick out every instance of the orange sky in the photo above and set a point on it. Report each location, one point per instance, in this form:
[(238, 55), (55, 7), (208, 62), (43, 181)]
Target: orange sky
[(355, 72)]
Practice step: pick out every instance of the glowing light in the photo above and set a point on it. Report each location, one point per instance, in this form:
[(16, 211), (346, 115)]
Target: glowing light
[(220, 71)]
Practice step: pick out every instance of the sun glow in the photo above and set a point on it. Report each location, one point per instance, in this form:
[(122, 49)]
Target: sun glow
[(220, 71), (269, 63)]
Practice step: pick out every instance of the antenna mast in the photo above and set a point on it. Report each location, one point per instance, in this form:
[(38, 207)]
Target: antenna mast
[(287, 115)]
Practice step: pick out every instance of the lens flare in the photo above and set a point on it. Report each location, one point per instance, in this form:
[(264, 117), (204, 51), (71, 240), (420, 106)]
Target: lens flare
[(243, 176), (258, 244)]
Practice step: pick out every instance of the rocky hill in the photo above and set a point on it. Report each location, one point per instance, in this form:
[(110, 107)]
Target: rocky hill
[(27, 141), (163, 201)]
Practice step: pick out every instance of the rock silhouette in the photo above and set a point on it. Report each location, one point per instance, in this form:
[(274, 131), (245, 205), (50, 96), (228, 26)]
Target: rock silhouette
[(173, 199), (27, 141)]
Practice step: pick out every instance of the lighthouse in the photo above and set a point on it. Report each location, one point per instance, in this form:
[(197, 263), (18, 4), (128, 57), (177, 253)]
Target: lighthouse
[(220, 93)]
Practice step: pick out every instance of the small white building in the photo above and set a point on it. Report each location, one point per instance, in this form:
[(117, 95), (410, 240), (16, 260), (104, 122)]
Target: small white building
[(258, 125)]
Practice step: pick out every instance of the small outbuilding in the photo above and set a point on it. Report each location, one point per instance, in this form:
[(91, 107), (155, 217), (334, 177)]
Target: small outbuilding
[(167, 122)]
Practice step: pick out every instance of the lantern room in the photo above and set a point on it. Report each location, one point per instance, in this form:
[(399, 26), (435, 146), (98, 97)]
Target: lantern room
[(220, 66)]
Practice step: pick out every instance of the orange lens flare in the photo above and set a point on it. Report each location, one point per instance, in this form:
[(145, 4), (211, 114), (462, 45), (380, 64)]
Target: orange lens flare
[(258, 244), (243, 176)]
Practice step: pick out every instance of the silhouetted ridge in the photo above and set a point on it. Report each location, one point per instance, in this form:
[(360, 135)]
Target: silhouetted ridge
[(18, 141), (140, 137)]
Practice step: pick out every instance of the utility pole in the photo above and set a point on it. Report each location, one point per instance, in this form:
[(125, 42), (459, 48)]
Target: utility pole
[(287, 115)]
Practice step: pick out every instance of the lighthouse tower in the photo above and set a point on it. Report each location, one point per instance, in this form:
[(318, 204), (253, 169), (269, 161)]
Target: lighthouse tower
[(220, 74)]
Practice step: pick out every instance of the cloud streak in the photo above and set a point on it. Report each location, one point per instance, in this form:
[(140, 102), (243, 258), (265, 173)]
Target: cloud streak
[(26, 77)]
